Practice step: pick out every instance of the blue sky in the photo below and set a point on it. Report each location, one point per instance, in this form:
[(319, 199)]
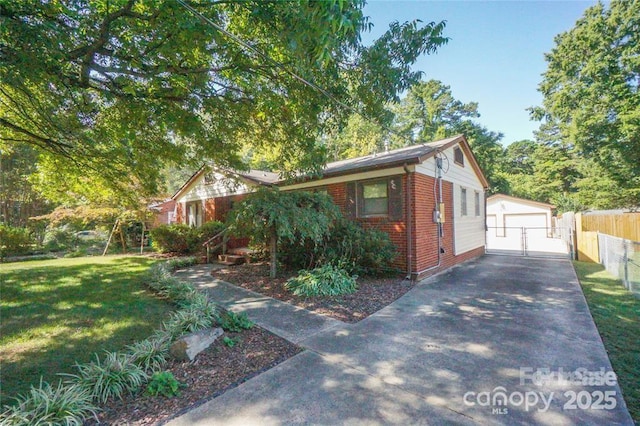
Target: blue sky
[(496, 53)]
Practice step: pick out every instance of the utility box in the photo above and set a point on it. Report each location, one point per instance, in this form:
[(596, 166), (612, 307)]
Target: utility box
[(438, 214)]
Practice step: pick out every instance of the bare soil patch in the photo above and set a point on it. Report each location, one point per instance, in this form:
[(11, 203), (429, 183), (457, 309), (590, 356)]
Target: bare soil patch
[(373, 293), (213, 372)]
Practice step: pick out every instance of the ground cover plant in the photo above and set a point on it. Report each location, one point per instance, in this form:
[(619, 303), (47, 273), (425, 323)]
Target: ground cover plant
[(371, 295), (616, 313), (58, 312)]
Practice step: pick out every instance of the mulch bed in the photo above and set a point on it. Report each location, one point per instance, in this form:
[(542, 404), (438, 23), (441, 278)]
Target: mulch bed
[(214, 371), (373, 293)]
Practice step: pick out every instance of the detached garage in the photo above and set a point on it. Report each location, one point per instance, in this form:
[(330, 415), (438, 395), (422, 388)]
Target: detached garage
[(522, 227), (506, 214)]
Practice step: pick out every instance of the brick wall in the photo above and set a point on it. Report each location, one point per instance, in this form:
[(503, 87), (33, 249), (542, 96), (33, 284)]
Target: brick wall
[(426, 231), (397, 230), (424, 246)]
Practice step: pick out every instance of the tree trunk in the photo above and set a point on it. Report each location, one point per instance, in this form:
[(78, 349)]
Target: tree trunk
[(273, 246)]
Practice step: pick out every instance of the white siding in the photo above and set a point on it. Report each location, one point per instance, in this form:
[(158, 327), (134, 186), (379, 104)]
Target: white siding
[(502, 207), (220, 187), (469, 230)]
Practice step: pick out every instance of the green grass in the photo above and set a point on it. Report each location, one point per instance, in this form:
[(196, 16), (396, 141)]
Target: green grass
[(616, 313), (56, 312)]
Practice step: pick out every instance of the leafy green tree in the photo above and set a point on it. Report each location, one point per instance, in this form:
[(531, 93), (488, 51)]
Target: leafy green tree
[(271, 217), (546, 173), (109, 90), (591, 93), (430, 112), (519, 157), (18, 198), (359, 137)]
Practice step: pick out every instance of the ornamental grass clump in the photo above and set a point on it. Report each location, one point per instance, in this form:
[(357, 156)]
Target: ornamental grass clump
[(44, 405), (326, 280), (116, 375), (150, 354), (189, 320)]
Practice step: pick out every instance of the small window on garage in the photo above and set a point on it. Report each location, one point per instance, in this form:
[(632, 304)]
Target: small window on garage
[(458, 156), (463, 201), (477, 202)]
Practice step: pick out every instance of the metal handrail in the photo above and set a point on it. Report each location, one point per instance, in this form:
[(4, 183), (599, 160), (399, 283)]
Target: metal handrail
[(218, 235), (207, 244)]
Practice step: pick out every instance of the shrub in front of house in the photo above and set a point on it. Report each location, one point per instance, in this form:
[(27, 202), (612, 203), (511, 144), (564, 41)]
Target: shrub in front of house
[(359, 251), (14, 241), (326, 280), (183, 239)]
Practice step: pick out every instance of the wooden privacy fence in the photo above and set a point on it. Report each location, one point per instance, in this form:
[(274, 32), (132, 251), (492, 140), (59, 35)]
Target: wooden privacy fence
[(623, 225)]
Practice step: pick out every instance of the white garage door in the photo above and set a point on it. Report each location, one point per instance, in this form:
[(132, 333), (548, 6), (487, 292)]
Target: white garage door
[(536, 224)]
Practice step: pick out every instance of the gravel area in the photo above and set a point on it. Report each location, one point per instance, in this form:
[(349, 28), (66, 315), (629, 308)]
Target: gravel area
[(373, 293), (213, 371)]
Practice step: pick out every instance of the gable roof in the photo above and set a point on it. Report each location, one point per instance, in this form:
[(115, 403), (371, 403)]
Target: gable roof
[(521, 200), (414, 154), (257, 177)]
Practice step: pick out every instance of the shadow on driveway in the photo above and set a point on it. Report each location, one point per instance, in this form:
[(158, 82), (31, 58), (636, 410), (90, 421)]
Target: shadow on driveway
[(458, 348)]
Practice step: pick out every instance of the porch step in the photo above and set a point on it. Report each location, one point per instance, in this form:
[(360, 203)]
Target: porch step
[(231, 259), (242, 251)]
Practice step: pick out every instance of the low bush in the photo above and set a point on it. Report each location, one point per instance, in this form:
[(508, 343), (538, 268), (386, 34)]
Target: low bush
[(209, 230), (59, 239), (44, 405), (175, 238), (183, 239), (327, 280), (164, 383), (180, 262), (359, 251), (116, 375), (14, 241), (232, 322)]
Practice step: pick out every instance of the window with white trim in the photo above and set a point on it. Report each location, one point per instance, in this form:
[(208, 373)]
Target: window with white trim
[(463, 201), (458, 156), (477, 203)]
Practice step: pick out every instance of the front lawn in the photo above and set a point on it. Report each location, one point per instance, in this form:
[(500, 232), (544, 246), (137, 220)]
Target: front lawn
[(616, 313), (56, 312)]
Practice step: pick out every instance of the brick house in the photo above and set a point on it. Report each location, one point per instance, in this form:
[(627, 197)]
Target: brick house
[(429, 198)]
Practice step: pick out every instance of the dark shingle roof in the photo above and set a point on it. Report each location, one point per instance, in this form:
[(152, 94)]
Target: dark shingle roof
[(259, 176), (397, 157)]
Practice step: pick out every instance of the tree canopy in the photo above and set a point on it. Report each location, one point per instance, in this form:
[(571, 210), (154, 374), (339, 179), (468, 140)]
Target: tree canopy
[(272, 217), (591, 93), (108, 90)]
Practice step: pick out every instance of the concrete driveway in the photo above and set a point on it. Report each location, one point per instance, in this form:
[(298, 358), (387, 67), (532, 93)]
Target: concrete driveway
[(470, 346)]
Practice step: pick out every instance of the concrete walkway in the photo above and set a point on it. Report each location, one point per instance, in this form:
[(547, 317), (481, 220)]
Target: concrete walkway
[(444, 353), (285, 320)]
